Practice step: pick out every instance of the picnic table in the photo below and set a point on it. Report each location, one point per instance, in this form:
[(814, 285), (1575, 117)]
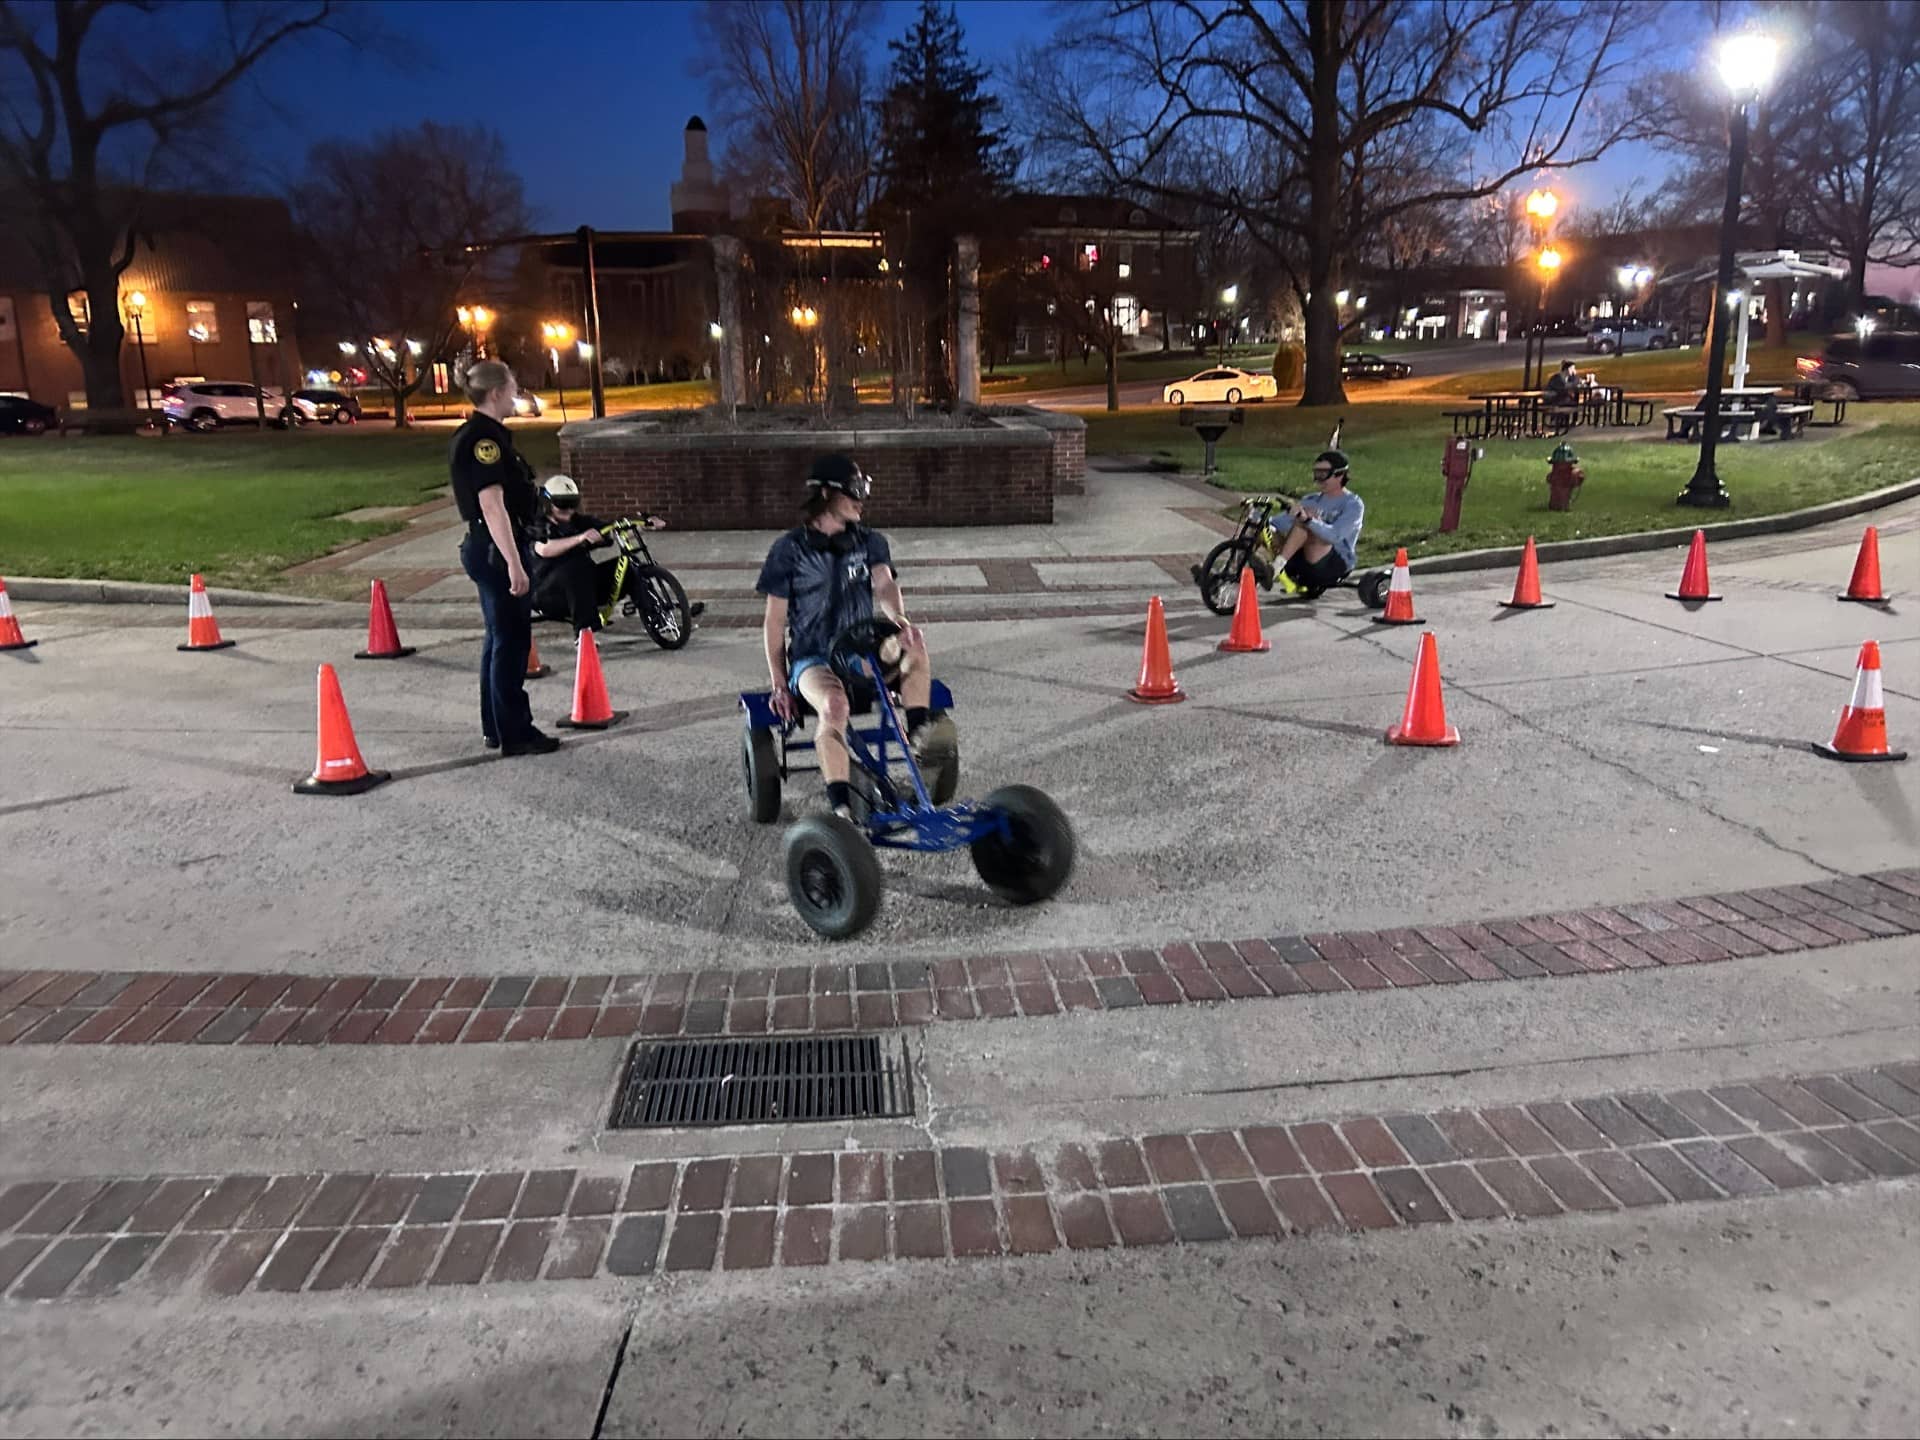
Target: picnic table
[(1743, 414), (1514, 414)]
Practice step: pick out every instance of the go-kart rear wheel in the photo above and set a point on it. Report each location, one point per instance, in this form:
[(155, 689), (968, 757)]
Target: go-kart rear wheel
[(832, 876), (1035, 859), (941, 770), (1219, 575), (1373, 588), (763, 775)]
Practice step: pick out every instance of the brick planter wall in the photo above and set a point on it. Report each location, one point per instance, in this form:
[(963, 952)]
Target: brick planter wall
[(1069, 436), (1003, 473)]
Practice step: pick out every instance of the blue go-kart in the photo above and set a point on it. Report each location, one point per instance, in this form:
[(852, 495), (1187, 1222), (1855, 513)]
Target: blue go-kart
[(1021, 843)]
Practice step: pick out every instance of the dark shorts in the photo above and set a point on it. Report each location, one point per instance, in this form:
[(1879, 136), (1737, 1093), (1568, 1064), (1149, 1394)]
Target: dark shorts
[(1321, 574)]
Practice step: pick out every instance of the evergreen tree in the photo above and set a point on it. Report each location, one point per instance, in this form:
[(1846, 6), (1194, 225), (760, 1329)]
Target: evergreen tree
[(942, 167)]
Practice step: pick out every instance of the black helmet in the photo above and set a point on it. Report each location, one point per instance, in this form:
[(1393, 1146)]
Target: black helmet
[(1334, 460), (837, 472)]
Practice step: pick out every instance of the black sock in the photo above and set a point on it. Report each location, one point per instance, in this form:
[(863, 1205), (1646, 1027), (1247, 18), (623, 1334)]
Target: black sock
[(916, 717), (839, 794)]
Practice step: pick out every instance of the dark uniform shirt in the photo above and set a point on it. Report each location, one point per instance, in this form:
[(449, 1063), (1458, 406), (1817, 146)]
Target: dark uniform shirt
[(482, 454), (827, 583), (564, 527)]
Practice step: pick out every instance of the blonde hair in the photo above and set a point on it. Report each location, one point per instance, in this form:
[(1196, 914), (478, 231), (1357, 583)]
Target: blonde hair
[(484, 377)]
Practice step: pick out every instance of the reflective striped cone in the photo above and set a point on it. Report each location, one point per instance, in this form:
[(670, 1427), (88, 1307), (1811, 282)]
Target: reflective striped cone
[(338, 768), (1693, 579), (203, 631), (1865, 585), (1245, 637), (1399, 609), (591, 708), (10, 636), (383, 637), (1861, 734), (1526, 587), (1157, 685), (536, 670), (1423, 720)]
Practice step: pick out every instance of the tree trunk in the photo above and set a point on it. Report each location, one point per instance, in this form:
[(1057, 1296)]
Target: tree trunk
[(1113, 367), (98, 350), (1776, 291), (1323, 386)]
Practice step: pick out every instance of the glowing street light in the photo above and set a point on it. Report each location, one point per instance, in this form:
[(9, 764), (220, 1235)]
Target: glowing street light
[(1340, 296), (136, 311), (347, 347), (714, 332), (1230, 295), (1542, 205), (557, 333), (1548, 260)]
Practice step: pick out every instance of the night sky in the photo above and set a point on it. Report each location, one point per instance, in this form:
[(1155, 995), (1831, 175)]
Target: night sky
[(591, 98)]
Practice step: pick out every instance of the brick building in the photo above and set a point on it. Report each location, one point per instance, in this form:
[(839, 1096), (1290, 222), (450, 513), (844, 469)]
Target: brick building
[(1072, 249), (218, 273)]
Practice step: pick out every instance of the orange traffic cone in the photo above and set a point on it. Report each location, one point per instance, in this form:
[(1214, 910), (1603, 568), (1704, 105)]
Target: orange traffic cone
[(591, 708), (383, 637), (1693, 579), (1399, 609), (10, 636), (535, 670), (1157, 685), (1862, 732), (1245, 637), (1865, 585), (203, 631), (1526, 589), (338, 770), (1424, 720)]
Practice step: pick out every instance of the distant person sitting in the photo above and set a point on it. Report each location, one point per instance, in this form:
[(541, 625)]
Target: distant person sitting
[(1321, 530), (1565, 385)]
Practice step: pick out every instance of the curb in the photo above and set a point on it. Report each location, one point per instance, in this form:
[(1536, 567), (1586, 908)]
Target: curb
[(135, 592)]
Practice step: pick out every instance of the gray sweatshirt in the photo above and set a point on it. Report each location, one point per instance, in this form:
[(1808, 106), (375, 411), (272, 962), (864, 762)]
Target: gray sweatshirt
[(1335, 519)]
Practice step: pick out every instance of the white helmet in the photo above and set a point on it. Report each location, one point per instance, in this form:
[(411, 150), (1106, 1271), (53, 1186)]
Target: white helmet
[(560, 490)]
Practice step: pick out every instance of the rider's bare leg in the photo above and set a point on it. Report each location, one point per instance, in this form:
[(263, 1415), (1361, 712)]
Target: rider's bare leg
[(821, 689), (916, 686)]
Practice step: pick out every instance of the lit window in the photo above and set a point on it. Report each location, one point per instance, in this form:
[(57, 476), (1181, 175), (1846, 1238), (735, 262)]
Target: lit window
[(203, 322), (1125, 271), (80, 310), (261, 329)]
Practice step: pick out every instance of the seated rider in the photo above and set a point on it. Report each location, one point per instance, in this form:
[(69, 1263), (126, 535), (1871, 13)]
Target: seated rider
[(566, 580), (819, 578), (1321, 529)]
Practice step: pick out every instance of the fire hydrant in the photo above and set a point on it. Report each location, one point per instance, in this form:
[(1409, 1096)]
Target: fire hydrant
[(1564, 476), (1456, 467)]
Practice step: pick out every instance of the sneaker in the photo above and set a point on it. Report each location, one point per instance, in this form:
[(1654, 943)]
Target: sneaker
[(845, 812), (538, 743), (1290, 585), (492, 742)]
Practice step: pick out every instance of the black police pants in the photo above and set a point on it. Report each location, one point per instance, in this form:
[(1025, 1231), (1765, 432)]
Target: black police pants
[(505, 714), (575, 587)]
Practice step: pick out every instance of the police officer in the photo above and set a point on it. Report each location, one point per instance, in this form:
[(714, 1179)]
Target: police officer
[(494, 492)]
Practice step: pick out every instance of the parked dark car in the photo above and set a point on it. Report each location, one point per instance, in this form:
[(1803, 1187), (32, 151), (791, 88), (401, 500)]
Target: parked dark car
[(1877, 367), (1361, 365), (21, 416), (332, 407)]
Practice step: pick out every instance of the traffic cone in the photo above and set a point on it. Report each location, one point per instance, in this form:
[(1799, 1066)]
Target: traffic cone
[(10, 636), (1526, 589), (383, 637), (1865, 585), (1157, 685), (1693, 579), (1245, 637), (1399, 609), (1861, 734), (203, 631), (591, 708), (1424, 720), (338, 770), (535, 670)]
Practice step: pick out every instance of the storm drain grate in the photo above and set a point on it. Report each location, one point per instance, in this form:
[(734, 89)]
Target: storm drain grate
[(675, 1083)]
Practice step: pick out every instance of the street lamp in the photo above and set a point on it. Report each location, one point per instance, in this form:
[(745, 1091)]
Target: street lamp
[(557, 333), (1747, 60), (136, 311), (1541, 207)]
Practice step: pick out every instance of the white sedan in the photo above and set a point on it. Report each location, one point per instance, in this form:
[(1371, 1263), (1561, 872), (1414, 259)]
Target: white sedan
[(1224, 385)]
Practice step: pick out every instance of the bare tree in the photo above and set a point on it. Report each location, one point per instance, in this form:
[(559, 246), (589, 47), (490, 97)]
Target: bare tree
[(96, 97), (387, 220), (1348, 113)]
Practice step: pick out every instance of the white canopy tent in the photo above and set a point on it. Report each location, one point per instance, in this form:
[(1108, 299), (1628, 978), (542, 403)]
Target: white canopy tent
[(1753, 266)]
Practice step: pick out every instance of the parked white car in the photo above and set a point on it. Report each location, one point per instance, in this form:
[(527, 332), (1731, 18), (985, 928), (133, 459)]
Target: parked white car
[(1226, 386), (205, 405)]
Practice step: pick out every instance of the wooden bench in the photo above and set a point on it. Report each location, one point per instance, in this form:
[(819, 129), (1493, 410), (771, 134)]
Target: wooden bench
[(1789, 421), (1684, 420)]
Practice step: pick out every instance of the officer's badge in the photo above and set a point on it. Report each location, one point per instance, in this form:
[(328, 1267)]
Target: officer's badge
[(487, 452)]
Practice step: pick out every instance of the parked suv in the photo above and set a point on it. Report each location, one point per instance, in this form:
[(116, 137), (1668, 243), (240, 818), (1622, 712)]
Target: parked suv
[(205, 405), (1633, 333), (1849, 368)]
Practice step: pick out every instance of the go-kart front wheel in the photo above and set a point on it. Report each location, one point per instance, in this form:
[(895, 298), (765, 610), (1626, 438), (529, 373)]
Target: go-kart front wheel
[(663, 606), (763, 775), (832, 876), (1035, 857), (1219, 575)]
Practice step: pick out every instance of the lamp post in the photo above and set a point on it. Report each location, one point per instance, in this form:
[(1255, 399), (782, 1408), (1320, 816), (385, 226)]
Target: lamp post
[(1548, 263), (136, 311), (1746, 66), (805, 318), (1542, 206), (1229, 297), (557, 333)]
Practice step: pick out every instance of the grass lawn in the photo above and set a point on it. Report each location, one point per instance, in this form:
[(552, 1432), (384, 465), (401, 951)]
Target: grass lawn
[(239, 507), (1396, 448)]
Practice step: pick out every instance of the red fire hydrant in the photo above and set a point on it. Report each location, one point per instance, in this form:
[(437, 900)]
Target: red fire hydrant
[(1564, 476), (1456, 466)]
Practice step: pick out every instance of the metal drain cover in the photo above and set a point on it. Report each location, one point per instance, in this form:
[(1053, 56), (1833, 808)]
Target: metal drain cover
[(671, 1084)]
